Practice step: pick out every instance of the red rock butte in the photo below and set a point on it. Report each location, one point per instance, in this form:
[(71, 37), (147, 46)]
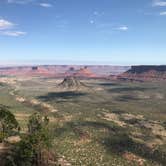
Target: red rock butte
[(145, 73)]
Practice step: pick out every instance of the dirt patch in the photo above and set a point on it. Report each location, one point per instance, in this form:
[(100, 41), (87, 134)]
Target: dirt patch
[(34, 102), (9, 81), (153, 143), (82, 142), (115, 118), (121, 119), (131, 116), (22, 116), (133, 158), (156, 128), (13, 139), (84, 137), (48, 107), (3, 148), (142, 128), (142, 95), (20, 99), (152, 130), (61, 119), (63, 162), (159, 96)]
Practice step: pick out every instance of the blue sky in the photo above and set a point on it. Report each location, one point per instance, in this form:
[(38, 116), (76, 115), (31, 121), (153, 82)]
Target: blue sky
[(121, 32)]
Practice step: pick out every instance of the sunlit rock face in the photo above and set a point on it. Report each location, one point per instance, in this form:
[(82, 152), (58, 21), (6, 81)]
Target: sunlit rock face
[(84, 72)]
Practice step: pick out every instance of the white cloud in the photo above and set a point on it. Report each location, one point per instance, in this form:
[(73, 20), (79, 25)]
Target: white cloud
[(34, 2), (110, 28), (122, 28), (163, 13), (98, 14), (4, 24), (20, 1), (13, 33), (7, 28), (159, 3), (92, 21), (46, 5)]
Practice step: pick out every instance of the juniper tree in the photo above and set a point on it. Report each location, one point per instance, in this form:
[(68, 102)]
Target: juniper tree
[(8, 122)]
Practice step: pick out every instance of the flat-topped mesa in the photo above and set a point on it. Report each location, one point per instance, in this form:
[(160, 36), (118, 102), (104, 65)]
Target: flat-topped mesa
[(83, 72), (40, 71), (34, 68), (147, 68), (71, 83), (145, 73)]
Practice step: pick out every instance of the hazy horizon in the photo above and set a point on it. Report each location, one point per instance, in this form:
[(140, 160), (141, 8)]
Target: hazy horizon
[(65, 62)]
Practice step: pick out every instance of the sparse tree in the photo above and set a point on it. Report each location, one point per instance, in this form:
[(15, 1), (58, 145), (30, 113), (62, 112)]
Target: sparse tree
[(8, 122), (33, 149)]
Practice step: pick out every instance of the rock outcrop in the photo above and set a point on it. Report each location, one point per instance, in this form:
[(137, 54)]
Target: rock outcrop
[(84, 72), (71, 83)]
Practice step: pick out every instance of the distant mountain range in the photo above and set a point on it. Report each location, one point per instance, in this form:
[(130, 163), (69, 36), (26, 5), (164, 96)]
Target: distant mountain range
[(64, 70), (133, 73)]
